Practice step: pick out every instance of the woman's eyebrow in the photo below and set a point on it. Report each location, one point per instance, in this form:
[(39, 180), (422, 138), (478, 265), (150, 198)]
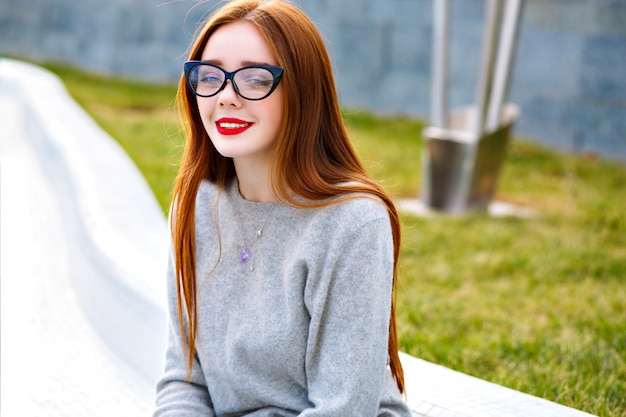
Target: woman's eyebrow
[(246, 63), (212, 61)]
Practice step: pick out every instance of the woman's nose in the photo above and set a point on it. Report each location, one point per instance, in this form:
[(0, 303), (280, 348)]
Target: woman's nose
[(228, 95)]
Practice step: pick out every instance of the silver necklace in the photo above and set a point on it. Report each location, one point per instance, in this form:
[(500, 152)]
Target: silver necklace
[(246, 253)]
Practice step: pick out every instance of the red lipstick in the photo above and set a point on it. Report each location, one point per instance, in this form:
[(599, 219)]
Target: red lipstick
[(231, 126)]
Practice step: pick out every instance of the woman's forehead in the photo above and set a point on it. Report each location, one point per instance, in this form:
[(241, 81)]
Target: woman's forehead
[(238, 43)]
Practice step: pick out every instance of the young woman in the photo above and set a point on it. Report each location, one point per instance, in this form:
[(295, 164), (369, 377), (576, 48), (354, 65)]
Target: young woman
[(284, 251)]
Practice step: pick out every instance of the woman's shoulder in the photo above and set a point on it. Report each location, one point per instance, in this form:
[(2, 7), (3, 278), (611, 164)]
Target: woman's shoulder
[(210, 193), (364, 206), (207, 191), (350, 212), (206, 200)]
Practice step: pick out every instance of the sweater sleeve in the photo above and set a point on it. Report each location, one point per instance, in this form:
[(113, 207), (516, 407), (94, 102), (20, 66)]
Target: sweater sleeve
[(177, 397), (349, 301)]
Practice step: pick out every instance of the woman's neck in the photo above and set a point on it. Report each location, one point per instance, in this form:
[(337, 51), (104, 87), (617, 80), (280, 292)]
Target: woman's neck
[(254, 181)]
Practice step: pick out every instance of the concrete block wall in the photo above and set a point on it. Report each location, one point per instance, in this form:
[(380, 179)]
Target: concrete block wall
[(571, 75), (569, 78)]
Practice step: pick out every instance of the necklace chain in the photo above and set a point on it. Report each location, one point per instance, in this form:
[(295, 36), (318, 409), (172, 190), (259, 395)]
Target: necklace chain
[(246, 253)]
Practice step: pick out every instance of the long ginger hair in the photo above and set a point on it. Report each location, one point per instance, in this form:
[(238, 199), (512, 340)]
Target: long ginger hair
[(312, 154)]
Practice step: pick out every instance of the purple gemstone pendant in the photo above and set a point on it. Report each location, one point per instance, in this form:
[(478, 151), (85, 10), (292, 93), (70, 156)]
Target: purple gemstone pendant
[(244, 255)]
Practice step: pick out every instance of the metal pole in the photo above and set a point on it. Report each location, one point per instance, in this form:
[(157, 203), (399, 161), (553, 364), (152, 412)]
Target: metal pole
[(508, 40), (492, 22), (438, 96)]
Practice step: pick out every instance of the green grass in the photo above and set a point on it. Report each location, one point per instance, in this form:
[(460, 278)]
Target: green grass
[(536, 304), (142, 117)]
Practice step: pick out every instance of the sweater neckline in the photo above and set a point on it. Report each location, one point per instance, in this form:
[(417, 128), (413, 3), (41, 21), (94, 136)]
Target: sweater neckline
[(248, 206)]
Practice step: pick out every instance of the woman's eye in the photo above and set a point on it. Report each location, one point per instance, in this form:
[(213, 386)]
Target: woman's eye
[(260, 82), (210, 79), (257, 80), (209, 76)]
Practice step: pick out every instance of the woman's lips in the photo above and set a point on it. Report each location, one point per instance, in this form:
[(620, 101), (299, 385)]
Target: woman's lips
[(230, 126)]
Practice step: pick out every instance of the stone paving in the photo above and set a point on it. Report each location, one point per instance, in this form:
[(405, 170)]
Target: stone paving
[(67, 352)]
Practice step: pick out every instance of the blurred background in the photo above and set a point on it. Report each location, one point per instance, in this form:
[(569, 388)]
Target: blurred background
[(569, 76)]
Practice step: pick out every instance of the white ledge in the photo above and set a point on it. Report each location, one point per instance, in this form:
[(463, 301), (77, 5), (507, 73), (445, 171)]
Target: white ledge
[(118, 229)]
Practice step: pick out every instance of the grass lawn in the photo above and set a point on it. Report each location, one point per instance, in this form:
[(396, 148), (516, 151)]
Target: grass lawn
[(536, 304)]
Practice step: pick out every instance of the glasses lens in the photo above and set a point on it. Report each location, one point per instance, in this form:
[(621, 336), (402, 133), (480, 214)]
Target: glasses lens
[(206, 80), (254, 83)]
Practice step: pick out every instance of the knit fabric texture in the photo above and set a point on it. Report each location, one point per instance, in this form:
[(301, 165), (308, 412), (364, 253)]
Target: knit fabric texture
[(302, 333)]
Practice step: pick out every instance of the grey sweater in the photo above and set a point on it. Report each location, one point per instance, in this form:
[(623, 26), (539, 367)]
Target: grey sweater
[(302, 333)]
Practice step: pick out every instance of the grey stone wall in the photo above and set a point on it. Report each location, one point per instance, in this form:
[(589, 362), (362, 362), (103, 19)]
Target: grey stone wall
[(569, 77), (145, 39)]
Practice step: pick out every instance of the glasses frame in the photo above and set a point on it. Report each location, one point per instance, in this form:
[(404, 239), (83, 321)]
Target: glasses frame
[(277, 74)]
